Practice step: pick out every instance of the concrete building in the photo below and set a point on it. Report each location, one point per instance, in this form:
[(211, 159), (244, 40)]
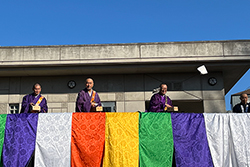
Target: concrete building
[(124, 74)]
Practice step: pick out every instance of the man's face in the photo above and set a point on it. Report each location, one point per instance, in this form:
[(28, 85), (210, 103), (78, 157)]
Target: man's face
[(89, 84), (244, 98), (163, 89), (37, 90)]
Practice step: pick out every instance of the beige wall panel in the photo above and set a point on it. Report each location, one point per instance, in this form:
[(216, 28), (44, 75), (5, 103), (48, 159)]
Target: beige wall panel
[(71, 107), (72, 97), (56, 110), (120, 96), (109, 52), (107, 96), (214, 95), (134, 96), (4, 109), (134, 106), (237, 48), (214, 106), (14, 98), (120, 107), (54, 105), (4, 98), (57, 98), (181, 50), (148, 95), (70, 53)]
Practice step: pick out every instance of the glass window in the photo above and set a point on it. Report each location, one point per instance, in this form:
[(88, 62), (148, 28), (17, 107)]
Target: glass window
[(109, 106), (14, 108)]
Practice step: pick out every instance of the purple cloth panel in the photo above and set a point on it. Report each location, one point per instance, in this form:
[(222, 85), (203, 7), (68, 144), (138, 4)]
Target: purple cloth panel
[(19, 140), (190, 140), (31, 98), (157, 103), (83, 101)]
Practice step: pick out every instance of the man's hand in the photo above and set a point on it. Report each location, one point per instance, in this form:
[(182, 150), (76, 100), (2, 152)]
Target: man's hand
[(93, 104), (168, 106), (32, 104)]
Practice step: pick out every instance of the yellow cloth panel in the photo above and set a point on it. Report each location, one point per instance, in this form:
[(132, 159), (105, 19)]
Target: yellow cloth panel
[(121, 140)]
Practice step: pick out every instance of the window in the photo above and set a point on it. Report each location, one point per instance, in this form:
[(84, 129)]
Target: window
[(109, 106), (14, 108)]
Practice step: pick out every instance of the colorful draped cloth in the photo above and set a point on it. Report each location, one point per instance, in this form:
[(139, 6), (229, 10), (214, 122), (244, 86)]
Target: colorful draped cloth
[(190, 140), (156, 139), (53, 140), (2, 129), (121, 140), (19, 140), (87, 140), (228, 136)]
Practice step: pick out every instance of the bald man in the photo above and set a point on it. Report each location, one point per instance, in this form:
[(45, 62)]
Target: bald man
[(87, 99), (34, 99), (243, 106), (159, 102)]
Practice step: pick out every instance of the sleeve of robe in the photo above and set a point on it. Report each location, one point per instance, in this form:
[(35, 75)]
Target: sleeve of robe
[(44, 107), (25, 104), (79, 102), (154, 104), (169, 102), (82, 104), (97, 100)]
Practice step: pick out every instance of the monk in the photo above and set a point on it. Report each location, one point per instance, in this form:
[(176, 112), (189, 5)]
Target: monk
[(243, 106), (159, 102), (34, 99), (87, 99)]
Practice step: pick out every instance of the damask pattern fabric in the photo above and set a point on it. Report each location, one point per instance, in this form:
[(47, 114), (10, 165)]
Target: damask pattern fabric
[(19, 140), (190, 140), (121, 140), (228, 136), (156, 140), (87, 141), (2, 130), (53, 140)]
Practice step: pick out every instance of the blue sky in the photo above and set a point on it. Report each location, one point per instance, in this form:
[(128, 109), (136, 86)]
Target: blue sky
[(59, 22)]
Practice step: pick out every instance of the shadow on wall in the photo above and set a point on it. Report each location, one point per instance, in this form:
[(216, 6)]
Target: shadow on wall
[(111, 83)]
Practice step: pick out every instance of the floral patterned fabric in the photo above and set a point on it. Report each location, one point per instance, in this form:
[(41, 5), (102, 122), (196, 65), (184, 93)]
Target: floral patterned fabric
[(19, 140), (156, 140), (190, 140)]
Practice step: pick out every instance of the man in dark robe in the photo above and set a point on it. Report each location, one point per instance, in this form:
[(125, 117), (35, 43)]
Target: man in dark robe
[(33, 99), (87, 99), (243, 106), (159, 102)]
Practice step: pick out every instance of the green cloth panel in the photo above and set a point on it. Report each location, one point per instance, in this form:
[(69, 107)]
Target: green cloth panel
[(2, 129), (155, 140)]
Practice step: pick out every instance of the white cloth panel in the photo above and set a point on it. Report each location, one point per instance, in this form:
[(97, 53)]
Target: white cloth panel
[(228, 136), (53, 140)]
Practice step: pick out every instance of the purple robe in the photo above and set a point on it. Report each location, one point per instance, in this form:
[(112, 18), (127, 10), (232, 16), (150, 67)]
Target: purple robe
[(31, 98), (19, 139), (83, 101), (157, 103)]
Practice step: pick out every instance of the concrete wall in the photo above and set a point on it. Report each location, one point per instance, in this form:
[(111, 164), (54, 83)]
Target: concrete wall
[(129, 91), (114, 52)]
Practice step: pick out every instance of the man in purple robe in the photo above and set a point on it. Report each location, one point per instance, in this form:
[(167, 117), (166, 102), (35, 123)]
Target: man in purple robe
[(159, 102), (87, 99), (33, 99)]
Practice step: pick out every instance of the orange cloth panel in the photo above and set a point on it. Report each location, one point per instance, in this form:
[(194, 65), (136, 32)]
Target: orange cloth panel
[(87, 139)]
